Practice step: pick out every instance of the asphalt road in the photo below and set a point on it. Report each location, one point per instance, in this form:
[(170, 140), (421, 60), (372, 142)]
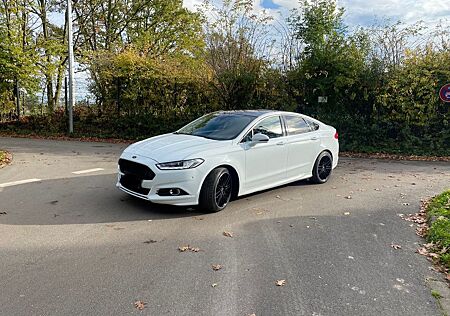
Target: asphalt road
[(72, 244)]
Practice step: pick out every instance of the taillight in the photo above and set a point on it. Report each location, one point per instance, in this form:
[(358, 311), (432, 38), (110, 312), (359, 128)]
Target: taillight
[(336, 135)]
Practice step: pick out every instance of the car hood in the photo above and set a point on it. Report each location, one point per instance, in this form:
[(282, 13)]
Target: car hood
[(173, 147)]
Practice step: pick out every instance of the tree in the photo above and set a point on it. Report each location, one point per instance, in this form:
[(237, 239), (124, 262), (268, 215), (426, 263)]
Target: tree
[(151, 28), (237, 50), (17, 53)]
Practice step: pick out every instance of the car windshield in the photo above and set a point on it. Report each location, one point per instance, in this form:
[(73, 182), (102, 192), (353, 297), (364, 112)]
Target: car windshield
[(218, 126)]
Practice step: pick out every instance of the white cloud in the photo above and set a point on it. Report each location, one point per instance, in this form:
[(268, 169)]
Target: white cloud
[(365, 12)]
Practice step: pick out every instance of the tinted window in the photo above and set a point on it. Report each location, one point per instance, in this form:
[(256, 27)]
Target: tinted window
[(270, 126), (314, 126), (296, 125), (218, 126)]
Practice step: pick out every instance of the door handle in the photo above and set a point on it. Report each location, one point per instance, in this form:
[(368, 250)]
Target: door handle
[(280, 143)]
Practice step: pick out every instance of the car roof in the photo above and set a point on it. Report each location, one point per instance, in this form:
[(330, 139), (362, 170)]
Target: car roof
[(254, 113)]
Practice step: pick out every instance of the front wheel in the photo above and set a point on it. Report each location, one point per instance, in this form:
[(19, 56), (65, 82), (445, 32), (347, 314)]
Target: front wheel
[(322, 168), (216, 190)]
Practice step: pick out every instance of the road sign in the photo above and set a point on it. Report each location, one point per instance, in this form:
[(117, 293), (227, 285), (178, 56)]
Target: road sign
[(444, 93)]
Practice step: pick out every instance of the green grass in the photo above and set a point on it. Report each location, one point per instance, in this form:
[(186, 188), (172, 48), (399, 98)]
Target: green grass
[(438, 210), (436, 294)]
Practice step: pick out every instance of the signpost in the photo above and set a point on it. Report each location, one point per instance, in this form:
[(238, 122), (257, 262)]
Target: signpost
[(70, 49), (444, 93)]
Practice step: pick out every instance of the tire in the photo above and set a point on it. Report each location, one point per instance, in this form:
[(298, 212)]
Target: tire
[(322, 168), (216, 190)]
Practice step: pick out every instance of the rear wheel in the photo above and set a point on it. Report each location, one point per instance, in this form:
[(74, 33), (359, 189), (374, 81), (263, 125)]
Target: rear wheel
[(216, 190), (322, 168)]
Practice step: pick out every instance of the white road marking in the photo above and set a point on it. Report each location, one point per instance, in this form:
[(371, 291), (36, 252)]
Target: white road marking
[(88, 171), (9, 184)]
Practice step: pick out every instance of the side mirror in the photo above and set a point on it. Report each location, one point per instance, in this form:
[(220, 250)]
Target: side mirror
[(260, 138)]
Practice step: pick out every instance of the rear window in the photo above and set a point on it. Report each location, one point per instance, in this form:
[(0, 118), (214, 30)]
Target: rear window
[(296, 125)]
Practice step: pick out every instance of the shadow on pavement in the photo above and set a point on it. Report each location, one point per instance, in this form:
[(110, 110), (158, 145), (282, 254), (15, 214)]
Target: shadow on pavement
[(80, 200)]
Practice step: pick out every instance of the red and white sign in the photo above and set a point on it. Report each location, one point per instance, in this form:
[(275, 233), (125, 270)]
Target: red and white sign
[(444, 93)]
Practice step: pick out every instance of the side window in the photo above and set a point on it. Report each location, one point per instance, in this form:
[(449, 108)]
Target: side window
[(296, 125), (270, 126), (247, 137), (314, 125)]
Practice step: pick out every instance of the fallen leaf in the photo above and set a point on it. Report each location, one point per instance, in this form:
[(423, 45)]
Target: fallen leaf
[(433, 255), (216, 267), (186, 248), (228, 234), (377, 189), (3, 213), (278, 197), (395, 246), (422, 251), (214, 284), (349, 197), (346, 213), (140, 305), (150, 241), (54, 202), (280, 282)]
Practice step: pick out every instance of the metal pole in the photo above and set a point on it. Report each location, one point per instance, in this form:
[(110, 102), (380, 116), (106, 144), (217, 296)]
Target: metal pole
[(71, 61), (65, 97)]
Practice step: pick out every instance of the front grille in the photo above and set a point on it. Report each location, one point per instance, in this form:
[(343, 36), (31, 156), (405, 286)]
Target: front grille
[(136, 169), (133, 183)]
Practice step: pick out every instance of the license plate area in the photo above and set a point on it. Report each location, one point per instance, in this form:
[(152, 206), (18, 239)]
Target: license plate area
[(133, 183)]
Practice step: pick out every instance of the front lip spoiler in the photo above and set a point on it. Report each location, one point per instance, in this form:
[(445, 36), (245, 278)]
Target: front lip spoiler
[(141, 196)]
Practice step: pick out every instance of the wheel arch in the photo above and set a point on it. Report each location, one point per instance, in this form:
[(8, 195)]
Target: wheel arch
[(235, 179)]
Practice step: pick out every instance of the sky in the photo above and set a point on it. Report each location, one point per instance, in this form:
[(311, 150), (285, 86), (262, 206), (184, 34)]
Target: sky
[(364, 12), (357, 13)]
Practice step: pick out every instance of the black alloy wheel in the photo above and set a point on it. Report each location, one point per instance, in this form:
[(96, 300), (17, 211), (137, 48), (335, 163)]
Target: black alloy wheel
[(322, 168), (223, 190), (216, 190)]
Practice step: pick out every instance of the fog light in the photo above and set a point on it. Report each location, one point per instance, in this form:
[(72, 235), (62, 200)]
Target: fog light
[(171, 192)]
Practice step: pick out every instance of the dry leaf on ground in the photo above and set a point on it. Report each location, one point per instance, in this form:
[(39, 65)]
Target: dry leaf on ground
[(280, 282), (228, 234), (140, 305), (216, 267), (395, 246), (183, 248)]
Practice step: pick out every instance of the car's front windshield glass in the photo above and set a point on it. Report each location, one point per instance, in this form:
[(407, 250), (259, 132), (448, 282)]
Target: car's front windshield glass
[(218, 126)]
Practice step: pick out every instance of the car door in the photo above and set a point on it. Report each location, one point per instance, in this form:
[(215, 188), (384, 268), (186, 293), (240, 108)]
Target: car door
[(265, 163), (303, 146)]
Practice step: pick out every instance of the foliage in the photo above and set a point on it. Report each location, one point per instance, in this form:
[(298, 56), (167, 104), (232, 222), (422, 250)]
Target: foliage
[(438, 211), (237, 46), (154, 62)]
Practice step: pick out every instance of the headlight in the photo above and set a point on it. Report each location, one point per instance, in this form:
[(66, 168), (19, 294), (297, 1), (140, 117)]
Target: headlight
[(179, 165)]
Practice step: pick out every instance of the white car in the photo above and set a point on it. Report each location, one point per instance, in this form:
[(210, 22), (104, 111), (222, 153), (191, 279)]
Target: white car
[(227, 154)]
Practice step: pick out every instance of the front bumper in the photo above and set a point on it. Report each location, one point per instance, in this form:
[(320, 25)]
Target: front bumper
[(188, 180)]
